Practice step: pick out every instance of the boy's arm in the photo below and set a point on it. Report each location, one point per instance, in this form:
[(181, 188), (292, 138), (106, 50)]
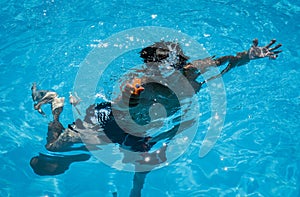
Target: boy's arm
[(198, 67)]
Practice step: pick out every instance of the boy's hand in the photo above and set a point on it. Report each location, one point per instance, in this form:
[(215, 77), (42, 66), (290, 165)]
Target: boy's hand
[(256, 52)]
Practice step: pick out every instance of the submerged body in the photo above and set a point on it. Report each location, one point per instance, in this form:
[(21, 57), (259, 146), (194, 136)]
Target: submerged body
[(100, 126)]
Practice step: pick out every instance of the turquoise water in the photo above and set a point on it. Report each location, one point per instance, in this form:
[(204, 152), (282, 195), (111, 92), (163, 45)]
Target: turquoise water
[(257, 153)]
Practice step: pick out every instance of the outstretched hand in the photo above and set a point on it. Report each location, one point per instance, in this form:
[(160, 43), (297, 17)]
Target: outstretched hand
[(256, 52)]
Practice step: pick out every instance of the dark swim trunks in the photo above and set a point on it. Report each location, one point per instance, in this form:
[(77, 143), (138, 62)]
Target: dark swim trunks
[(103, 114)]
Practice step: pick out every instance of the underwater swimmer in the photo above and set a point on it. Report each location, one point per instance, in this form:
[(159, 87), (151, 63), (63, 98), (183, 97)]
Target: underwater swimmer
[(157, 53), (99, 116)]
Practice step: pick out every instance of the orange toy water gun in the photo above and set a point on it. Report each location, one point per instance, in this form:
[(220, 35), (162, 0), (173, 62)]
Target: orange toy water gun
[(136, 86)]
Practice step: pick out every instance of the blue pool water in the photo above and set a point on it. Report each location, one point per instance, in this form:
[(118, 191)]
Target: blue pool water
[(258, 152)]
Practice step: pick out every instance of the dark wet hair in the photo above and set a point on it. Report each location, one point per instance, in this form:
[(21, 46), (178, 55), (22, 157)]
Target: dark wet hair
[(161, 51)]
